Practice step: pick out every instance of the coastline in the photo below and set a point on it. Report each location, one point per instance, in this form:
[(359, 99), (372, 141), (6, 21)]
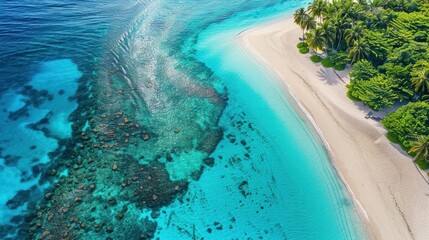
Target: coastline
[(392, 195)]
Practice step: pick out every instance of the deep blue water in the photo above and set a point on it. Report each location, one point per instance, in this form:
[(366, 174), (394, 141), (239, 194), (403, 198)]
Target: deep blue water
[(145, 119)]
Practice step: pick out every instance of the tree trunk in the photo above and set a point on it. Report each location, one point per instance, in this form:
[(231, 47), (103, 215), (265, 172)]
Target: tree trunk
[(315, 52), (339, 42), (303, 37)]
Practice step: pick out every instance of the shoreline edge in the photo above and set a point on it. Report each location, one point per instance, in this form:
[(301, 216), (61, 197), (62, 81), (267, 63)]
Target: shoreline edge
[(386, 188)]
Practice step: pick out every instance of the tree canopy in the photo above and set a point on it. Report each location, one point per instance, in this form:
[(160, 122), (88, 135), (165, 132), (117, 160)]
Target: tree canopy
[(390, 38), (420, 147), (408, 122), (387, 44), (377, 92)]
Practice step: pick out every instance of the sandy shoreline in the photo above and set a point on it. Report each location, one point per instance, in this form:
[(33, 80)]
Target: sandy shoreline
[(392, 194)]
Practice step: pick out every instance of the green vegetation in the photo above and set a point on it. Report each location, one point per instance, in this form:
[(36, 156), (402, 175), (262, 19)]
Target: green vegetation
[(420, 77), (316, 39), (304, 20), (387, 43), (339, 60), (420, 148), (339, 67), (377, 92), (327, 63), (304, 50), (422, 164), (408, 122), (316, 58), (302, 45)]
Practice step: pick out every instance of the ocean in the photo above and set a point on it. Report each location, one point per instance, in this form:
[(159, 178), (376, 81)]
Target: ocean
[(139, 119)]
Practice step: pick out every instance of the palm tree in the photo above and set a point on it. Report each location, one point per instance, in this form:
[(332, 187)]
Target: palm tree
[(354, 33), (299, 15), (328, 33), (298, 18), (362, 2), (331, 8), (420, 76), (420, 147), (359, 50), (318, 8), (421, 81), (399, 5), (316, 39), (340, 24), (358, 11), (309, 23), (346, 8), (376, 4)]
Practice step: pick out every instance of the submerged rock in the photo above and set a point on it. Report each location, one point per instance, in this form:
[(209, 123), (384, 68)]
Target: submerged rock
[(243, 187), (209, 161), (48, 196), (153, 188), (112, 201), (19, 199), (109, 229), (77, 208)]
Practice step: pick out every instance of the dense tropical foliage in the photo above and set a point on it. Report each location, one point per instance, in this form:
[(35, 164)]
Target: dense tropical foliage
[(420, 148), (387, 42), (408, 122)]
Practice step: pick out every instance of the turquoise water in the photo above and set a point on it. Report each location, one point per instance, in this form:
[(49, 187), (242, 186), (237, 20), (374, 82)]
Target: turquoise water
[(275, 178), (146, 119), (27, 136)]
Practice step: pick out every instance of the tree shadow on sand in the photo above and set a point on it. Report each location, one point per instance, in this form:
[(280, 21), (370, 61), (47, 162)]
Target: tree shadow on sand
[(328, 76)]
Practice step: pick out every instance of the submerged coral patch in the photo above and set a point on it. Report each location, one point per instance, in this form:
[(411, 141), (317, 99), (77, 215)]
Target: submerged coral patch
[(37, 121)]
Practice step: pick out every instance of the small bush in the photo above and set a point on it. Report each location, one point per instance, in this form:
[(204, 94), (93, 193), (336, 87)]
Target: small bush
[(392, 137), (340, 67), (423, 165), (315, 59), (304, 50), (352, 97), (420, 36), (339, 59), (327, 63), (302, 45)]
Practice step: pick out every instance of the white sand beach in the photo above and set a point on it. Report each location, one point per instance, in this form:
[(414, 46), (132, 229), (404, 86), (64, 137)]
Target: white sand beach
[(392, 195)]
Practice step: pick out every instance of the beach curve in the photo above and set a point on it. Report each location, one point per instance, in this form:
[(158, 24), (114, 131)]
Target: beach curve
[(392, 195)]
